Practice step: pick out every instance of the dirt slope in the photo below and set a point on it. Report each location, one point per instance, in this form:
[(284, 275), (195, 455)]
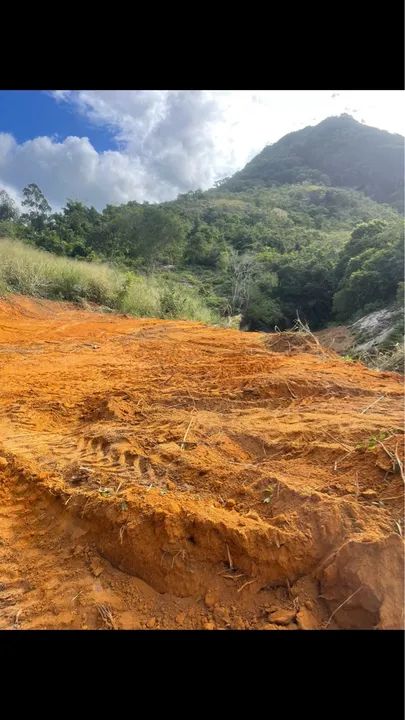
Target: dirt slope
[(168, 475)]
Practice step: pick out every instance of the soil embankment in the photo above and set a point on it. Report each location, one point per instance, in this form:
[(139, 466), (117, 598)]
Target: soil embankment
[(170, 475)]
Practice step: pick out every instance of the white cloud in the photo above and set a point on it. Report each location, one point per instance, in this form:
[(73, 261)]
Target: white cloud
[(71, 169), (171, 141)]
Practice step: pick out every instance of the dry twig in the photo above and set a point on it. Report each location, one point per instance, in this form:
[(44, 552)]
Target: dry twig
[(249, 582), (371, 405), (186, 433), (106, 616), (229, 557), (293, 395), (343, 603)]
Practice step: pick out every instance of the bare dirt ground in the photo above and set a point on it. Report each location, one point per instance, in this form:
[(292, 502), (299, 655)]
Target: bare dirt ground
[(340, 338), (167, 475)]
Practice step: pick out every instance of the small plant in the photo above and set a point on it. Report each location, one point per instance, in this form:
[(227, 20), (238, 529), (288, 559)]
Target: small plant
[(105, 491), (372, 442), (30, 271), (269, 490)]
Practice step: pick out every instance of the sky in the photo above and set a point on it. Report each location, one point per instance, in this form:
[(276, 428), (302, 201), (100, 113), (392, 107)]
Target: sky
[(112, 146)]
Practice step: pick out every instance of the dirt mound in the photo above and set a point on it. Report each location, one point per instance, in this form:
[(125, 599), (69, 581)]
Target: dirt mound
[(293, 343), (171, 475), (340, 338)]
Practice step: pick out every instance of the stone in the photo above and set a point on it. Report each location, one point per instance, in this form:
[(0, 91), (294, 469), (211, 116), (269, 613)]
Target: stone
[(272, 626), (384, 464), (369, 494), (238, 624), (208, 626), (253, 515), (351, 489), (151, 623), (222, 614), (96, 569), (306, 620), (3, 463), (210, 599), (282, 617)]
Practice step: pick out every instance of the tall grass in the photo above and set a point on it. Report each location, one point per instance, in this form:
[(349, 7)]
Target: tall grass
[(30, 271)]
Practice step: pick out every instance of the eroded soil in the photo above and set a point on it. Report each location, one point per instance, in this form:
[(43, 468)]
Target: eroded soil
[(160, 475)]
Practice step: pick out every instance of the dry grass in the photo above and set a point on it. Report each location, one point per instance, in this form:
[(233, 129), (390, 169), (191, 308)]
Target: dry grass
[(107, 617), (27, 270)]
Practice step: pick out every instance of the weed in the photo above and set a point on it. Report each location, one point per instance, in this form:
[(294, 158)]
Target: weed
[(30, 271)]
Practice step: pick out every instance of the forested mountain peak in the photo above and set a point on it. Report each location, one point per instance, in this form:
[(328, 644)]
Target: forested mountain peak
[(339, 151)]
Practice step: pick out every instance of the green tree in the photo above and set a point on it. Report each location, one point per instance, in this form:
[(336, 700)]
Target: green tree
[(8, 208), (205, 246), (372, 276), (38, 208)]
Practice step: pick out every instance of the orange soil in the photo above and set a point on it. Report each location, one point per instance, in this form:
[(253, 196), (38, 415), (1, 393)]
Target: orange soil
[(169, 475), (340, 338)]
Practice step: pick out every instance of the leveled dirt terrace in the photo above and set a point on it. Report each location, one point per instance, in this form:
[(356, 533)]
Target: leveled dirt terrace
[(158, 475)]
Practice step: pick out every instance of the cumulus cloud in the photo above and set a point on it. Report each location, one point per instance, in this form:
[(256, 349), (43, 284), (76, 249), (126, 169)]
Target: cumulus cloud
[(167, 142)]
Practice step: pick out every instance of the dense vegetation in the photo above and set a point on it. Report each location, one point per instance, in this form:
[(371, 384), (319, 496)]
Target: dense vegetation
[(339, 151), (30, 271), (265, 252)]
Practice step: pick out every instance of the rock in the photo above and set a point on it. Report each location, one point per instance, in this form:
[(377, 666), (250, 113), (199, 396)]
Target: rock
[(238, 624), (208, 626), (230, 504), (222, 614), (373, 573), (282, 617), (309, 604), (253, 515), (271, 608), (272, 626), (168, 451), (306, 620), (3, 463), (384, 464), (210, 599), (96, 568), (151, 623), (369, 494), (180, 618), (170, 485)]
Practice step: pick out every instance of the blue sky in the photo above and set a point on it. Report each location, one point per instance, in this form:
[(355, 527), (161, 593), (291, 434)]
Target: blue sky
[(27, 114), (112, 146)]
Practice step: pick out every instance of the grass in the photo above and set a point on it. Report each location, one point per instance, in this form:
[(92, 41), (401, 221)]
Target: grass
[(30, 271), (392, 360)]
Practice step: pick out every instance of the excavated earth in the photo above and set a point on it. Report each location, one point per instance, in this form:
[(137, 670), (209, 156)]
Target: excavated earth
[(168, 475)]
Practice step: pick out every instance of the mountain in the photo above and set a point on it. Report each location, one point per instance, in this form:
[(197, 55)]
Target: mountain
[(296, 231), (340, 152)]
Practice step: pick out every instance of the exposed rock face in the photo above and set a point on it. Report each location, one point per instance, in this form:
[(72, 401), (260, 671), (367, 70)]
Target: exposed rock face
[(374, 329), (366, 581)]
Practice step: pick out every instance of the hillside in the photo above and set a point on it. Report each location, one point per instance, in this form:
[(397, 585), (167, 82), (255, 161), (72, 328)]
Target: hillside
[(339, 151), (162, 474), (282, 241), (201, 405)]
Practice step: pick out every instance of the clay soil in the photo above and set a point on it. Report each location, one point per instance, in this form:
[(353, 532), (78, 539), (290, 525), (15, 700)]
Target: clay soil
[(168, 475)]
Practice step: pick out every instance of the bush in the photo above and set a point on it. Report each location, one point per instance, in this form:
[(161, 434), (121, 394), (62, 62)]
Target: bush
[(30, 271)]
